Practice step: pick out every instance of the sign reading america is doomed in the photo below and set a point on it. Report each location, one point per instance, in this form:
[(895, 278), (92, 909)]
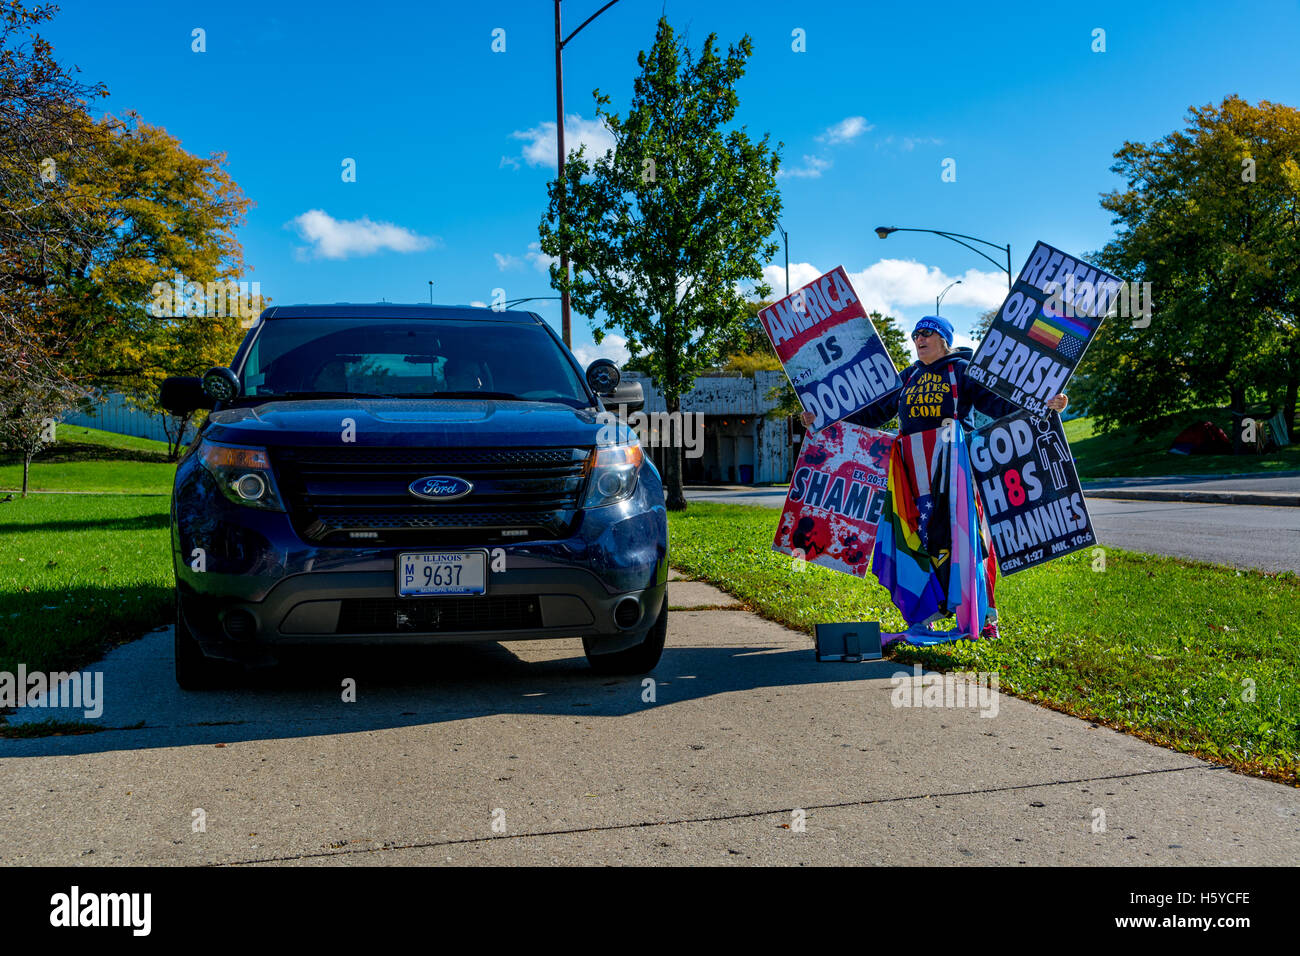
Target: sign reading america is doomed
[(836, 498), (1030, 490), (1043, 328), (830, 350)]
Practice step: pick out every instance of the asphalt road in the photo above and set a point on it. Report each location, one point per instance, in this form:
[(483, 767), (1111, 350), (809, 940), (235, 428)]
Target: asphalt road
[(1241, 536), (749, 752)]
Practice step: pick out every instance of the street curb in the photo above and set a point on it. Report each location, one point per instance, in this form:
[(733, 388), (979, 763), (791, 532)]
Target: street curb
[(1210, 497)]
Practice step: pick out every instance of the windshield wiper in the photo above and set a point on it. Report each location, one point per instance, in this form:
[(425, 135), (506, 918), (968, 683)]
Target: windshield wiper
[(278, 395), (470, 393)]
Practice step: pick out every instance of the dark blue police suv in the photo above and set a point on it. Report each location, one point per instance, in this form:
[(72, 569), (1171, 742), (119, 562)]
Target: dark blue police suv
[(407, 474)]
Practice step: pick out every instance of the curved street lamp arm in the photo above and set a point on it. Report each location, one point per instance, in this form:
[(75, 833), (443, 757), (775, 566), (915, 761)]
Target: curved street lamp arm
[(957, 238), (532, 298), (578, 30), (1001, 267), (972, 238)]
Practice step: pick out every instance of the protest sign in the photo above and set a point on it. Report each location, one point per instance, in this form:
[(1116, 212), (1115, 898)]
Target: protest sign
[(829, 348), (1043, 328), (1030, 490), (836, 498)]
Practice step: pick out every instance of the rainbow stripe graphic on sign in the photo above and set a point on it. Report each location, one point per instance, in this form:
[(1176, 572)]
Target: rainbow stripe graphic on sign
[(1049, 328)]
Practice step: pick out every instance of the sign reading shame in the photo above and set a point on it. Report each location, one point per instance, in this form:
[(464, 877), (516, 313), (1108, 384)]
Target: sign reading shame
[(1030, 490), (836, 498), (1043, 328), (830, 350)]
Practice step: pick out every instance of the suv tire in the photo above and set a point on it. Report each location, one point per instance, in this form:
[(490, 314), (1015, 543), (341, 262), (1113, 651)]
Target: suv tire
[(640, 659), (194, 669)]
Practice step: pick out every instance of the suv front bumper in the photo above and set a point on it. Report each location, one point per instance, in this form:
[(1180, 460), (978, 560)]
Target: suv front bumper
[(249, 585)]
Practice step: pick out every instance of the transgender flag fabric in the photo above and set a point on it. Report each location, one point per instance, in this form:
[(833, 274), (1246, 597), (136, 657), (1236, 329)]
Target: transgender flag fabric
[(931, 476)]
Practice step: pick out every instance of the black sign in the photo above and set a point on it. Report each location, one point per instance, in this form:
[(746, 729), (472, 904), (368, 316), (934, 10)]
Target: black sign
[(1030, 490), (1043, 328)]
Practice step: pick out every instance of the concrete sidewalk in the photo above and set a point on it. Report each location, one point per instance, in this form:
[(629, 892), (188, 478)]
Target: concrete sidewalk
[(741, 737)]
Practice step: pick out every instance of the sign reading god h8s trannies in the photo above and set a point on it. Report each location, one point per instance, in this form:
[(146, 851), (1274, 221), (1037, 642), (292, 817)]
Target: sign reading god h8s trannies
[(829, 348)]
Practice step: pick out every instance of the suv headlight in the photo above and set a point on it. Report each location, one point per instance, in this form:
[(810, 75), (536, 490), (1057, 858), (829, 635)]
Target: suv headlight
[(613, 474), (242, 473)]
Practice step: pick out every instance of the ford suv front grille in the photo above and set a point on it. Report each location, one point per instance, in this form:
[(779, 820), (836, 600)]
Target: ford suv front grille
[(360, 495)]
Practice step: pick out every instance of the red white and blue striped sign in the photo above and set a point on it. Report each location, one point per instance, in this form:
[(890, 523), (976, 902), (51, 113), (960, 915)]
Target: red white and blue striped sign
[(830, 350)]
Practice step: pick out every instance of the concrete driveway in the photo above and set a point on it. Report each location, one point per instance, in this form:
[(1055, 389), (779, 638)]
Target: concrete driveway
[(749, 752)]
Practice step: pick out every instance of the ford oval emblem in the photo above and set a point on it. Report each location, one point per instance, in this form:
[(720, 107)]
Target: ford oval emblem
[(440, 488)]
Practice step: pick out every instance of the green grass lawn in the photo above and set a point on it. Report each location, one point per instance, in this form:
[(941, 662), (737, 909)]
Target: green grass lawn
[(1164, 649), (78, 574), (1125, 454), (86, 459)]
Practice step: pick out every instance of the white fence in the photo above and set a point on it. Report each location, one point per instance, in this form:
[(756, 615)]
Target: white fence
[(113, 414)]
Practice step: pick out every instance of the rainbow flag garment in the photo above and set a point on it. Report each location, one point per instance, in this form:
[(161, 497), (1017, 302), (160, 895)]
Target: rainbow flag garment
[(933, 550)]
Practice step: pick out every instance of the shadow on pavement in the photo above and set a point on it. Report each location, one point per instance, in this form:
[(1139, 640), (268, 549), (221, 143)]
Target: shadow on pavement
[(400, 687)]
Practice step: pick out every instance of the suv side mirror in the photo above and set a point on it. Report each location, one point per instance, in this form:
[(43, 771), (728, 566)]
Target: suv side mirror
[(629, 395), (220, 384), (606, 381), (183, 395), (603, 376)]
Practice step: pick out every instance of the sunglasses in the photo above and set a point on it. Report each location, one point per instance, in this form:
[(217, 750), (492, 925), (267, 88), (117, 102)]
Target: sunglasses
[(923, 334)]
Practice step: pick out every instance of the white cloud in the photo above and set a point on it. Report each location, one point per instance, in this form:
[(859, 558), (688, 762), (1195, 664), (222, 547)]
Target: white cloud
[(909, 143), (892, 285), (811, 169), (902, 288), (507, 261), (332, 238), (542, 263), (613, 347), (847, 129), (801, 273), (511, 161), (539, 142)]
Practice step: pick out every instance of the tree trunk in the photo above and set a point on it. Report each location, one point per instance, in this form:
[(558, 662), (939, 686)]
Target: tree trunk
[(27, 467), (1237, 399), (674, 495), (1288, 405)]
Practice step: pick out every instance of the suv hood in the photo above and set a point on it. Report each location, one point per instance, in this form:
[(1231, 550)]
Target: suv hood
[(428, 423)]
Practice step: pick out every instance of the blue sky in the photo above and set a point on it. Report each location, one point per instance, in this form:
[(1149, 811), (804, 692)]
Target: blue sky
[(454, 143)]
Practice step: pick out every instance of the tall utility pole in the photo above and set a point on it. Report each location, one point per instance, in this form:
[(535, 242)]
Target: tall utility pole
[(565, 322), (785, 237), (560, 42)]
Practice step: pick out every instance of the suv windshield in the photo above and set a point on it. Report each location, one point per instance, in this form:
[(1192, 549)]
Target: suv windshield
[(416, 358)]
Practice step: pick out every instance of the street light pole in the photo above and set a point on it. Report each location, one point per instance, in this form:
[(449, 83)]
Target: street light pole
[(559, 163), (560, 42), (957, 237), (939, 298), (785, 237)]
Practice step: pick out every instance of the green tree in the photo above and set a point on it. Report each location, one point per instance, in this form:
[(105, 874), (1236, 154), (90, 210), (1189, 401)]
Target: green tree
[(153, 286), (1208, 217), (895, 339), (42, 216), (158, 291), (664, 228)]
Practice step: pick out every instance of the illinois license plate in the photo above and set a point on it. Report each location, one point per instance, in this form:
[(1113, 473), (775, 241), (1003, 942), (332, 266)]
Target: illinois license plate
[(442, 572)]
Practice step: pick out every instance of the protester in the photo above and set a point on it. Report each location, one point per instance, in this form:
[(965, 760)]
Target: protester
[(933, 550)]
